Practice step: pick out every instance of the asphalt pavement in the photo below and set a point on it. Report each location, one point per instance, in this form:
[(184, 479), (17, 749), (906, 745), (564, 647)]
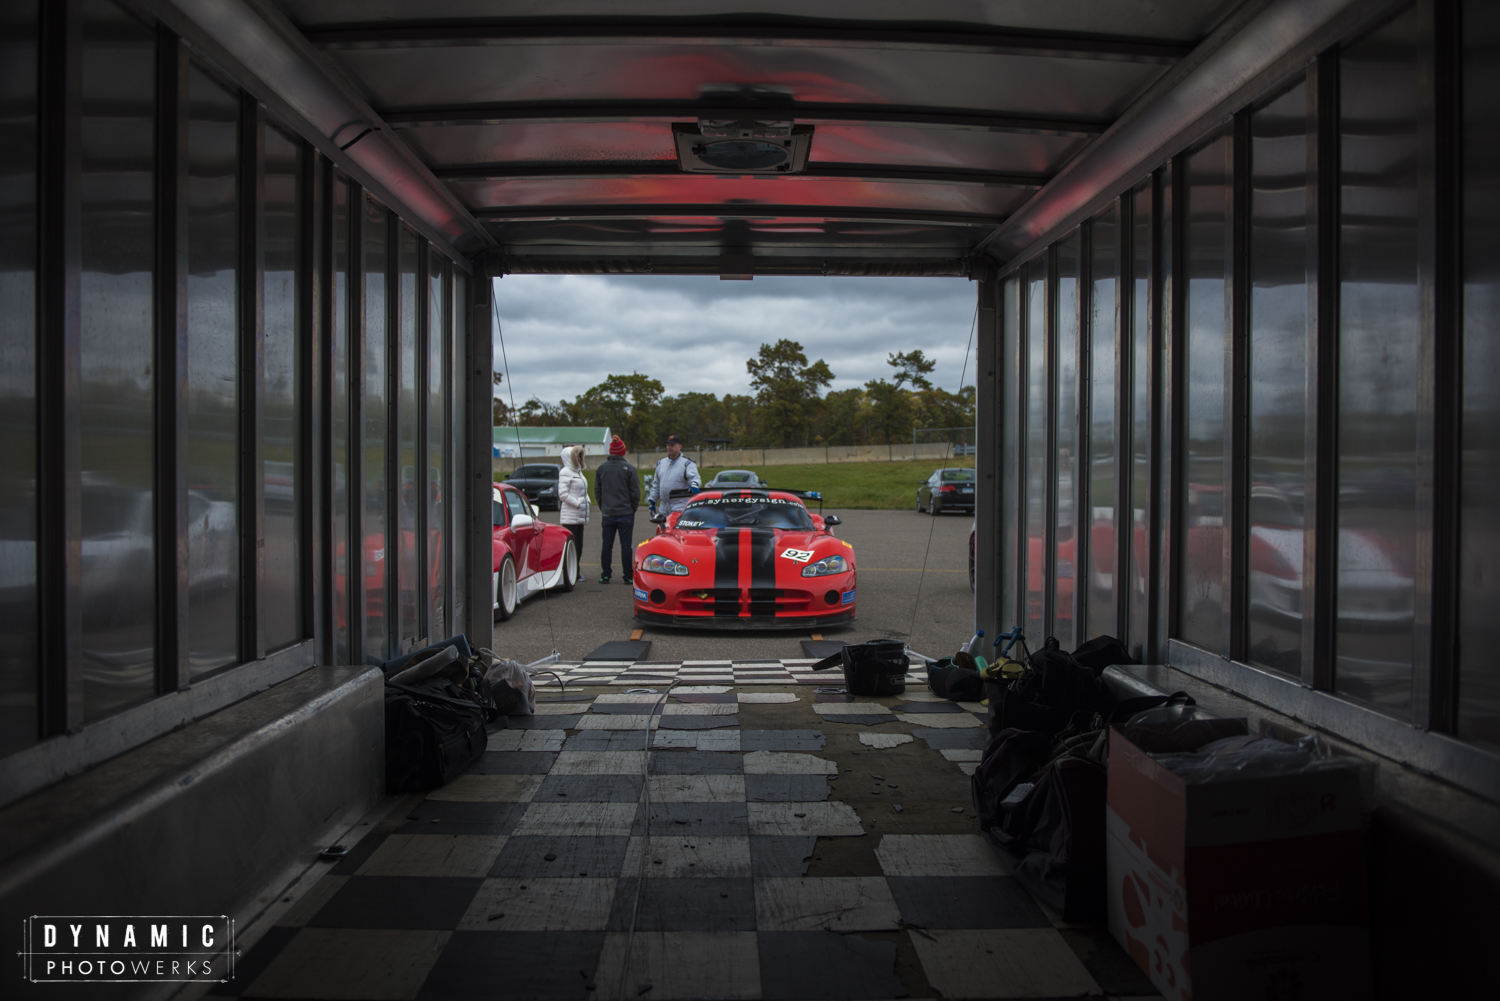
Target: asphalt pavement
[(932, 609)]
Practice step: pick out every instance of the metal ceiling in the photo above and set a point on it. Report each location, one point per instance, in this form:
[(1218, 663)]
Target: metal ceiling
[(546, 127)]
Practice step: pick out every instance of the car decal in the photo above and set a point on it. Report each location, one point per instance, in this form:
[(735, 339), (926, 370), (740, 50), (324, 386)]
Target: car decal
[(848, 597), (727, 573), (762, 582), (799, 555), (641, 595)]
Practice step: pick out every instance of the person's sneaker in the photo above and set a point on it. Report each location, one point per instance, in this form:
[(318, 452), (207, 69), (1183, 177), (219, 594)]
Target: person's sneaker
[(604, 578), (628, 581)]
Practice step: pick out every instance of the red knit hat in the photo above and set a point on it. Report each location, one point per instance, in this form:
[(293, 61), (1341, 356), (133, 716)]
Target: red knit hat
[(616, 447)]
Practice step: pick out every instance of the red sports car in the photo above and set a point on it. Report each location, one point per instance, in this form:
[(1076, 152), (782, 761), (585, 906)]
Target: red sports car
[(737, 558), (530, 555)]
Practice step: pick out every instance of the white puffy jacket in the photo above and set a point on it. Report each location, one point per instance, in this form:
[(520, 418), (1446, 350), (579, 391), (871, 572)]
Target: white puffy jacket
[(572, 496)]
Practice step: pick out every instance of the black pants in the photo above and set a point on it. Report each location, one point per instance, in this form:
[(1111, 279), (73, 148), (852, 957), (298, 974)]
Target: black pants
[(577, 531), (624, 526)]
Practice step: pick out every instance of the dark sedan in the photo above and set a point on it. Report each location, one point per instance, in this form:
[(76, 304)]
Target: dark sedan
[(538, 483), (947, 490)]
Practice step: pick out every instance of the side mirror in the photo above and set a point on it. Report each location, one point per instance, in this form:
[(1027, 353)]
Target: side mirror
[(658, 519), (832, 519), (521, 521)]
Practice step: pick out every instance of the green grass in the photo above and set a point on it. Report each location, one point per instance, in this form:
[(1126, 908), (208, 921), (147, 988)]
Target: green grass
[(843, 484)]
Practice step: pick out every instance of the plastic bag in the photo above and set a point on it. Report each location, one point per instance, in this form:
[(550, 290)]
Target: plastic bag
[(1179, 728), (1251, 757), (514, 692)]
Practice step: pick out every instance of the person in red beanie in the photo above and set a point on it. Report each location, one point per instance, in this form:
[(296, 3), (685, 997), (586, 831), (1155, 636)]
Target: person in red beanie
[(618, 488)]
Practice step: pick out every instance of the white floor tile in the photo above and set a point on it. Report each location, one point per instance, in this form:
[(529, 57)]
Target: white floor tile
[(697, 788), (583, 820), (942, 721), (885, 739), (434, 855), (700, 709), (961, 754), (831, 819), (618, 721), (765, 698), (825, 903), (599, 763), (1002, 963), (938, 855), (690, 856), (968, 767), (561, 708), (788, 763), (700, 689), (725, 739), (530, 904), (489, 789)]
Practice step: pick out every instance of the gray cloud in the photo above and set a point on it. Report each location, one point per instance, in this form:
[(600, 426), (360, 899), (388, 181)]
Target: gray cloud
[(565, 333)]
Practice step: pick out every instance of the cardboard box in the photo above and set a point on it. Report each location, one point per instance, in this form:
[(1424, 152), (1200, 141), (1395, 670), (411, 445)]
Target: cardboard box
[(1251, 888)]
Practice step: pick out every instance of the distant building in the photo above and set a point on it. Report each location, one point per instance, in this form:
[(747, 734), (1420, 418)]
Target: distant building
[(521, 443)]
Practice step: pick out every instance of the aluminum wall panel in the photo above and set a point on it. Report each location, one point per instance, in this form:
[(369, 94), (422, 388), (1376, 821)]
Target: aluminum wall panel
[(408, 485), (376, 563), (1064, 402), (1103, 435)]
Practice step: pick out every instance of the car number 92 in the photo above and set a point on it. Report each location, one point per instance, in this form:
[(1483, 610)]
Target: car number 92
[(798, 555)]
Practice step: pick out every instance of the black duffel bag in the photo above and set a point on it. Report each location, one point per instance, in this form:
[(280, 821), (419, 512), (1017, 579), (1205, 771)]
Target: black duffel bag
[(433, 732), (877, 667)]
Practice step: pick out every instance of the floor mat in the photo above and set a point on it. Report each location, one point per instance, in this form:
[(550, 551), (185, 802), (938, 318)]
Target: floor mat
[(621, 650)]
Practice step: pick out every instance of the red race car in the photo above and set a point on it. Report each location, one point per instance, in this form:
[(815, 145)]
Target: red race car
[(530, 555), (737, 558)]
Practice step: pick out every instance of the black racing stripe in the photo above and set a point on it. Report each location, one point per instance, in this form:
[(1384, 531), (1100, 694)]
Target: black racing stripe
[(727, 572), (762, 571)]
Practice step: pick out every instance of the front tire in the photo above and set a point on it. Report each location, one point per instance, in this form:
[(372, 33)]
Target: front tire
[(919, 502), (569, 568), (505, 591)]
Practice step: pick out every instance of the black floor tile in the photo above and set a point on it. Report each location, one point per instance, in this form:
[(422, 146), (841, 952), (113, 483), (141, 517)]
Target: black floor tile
[(965, 902), (861, 719), (513, 763), (726, 698), (565, 698), (699, 904), (253, 963), (606, 740), (954, 740), (349, 864), (625, 708), (672, 819), (785, 788), (698, 722), (589, 789), (781, 740), (668, 762), (1110, 966), (431, 902), (435, 816), (821, 964), (479, 966), (593, 857), (928, 707), (785, 858)]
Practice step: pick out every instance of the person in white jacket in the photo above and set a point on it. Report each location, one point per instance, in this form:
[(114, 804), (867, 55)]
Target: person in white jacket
[(573, 495)]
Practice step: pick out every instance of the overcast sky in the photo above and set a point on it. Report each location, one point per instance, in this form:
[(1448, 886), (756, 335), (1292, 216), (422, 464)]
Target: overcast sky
[(565, 333)]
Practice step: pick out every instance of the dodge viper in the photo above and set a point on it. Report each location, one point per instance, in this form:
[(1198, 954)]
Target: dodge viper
[(738, 558), (530, 555)]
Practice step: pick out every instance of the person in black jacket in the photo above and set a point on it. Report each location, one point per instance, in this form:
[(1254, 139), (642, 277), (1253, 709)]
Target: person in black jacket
[(619, 491)]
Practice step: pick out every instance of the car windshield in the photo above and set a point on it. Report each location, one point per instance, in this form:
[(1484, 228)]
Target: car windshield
[(732, 478), (769, 512), (958, 476)]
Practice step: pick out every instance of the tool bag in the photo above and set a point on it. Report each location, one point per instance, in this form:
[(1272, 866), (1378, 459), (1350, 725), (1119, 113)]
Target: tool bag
[(874, 668), (433, 732), (953, 681), (1053, 687)]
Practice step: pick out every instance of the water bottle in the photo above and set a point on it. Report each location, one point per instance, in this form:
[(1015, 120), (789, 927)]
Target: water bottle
[(975, 646)]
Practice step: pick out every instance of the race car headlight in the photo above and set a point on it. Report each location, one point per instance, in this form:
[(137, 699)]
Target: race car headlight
[(660, 564), (826, 566)]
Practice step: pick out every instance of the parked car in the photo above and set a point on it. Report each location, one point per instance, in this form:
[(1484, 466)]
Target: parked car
[(947, 490), (739, 559), (530, 555), (538, 483), (735, 479)]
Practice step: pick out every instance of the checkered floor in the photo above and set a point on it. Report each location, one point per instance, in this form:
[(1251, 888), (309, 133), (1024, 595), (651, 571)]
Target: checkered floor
[(701, 672), (787, 844)]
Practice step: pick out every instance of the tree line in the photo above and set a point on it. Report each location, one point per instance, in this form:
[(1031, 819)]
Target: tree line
[(788, 406)]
